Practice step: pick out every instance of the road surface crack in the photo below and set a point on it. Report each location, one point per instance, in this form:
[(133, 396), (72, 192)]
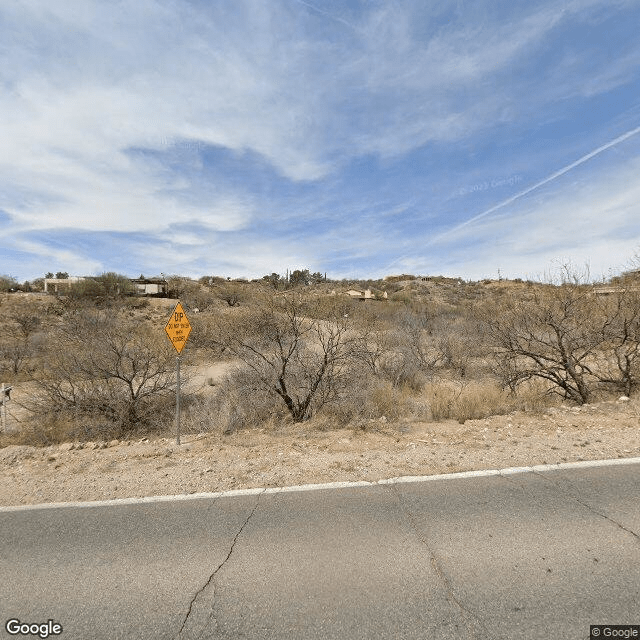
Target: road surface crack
[(437, 567), (211, 579), (586, 505)]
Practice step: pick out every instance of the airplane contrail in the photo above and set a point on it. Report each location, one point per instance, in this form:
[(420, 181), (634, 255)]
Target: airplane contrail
[(537, 185), (524, 192)]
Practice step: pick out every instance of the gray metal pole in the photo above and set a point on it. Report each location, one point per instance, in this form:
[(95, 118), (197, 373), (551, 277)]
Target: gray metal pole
[(178, 401)]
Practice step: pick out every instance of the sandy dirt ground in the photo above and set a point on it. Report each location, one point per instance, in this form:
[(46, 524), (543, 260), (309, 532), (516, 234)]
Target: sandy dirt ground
[(296, 454)]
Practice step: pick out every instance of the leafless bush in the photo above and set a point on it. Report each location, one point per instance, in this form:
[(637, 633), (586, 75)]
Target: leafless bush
[(385, 352), (243, 403), (423, 344), (556, 336), (19, 342), (460, 344), (98, 290), (415, 344), (7, 283), (305, 362), (193, 294), (402, 296), (233, 294), (580, 343), (14, 355), (619, 362), (401, 369), (106, 375), (376, 399), (235, 404), (200, 415), (415, 330)]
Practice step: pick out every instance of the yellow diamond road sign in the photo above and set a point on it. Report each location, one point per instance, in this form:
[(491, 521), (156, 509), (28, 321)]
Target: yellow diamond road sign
[(178, 328)]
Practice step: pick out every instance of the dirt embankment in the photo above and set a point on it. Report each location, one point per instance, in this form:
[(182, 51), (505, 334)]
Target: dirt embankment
[(296, 454)]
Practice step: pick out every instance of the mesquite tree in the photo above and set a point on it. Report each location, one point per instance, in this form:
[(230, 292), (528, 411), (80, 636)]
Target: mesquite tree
[(556, 336), (303, 355), (106, 369)]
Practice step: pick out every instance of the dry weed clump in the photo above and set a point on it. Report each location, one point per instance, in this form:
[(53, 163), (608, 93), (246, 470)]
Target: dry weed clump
[(449, 399), (53, 427), (91, 421), (235, 412), (199, 415), (239, 402), (374, 399)]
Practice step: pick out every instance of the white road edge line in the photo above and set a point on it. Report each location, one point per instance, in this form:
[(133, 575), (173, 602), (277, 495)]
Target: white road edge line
[(328, 485)]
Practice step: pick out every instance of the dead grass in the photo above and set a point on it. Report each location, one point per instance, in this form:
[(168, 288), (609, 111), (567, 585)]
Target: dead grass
[(450, 399)]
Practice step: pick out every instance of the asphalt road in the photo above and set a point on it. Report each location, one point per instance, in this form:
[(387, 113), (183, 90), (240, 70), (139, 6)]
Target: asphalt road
[(528, 555)]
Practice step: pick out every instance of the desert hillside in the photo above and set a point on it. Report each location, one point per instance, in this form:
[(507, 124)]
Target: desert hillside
[(322, 381)]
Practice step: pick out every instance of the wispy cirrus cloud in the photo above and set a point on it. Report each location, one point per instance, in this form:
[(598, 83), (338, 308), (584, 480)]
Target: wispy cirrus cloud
[(593, 218), (555, 175), (197, 124)]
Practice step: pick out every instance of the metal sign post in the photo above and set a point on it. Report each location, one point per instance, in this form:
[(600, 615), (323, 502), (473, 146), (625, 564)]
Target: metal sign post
[(178, 400), (178, 330)]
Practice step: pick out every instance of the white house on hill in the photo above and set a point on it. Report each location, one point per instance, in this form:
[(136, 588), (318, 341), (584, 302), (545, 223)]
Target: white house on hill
[(58, 285), (150, 286), (364, 295)]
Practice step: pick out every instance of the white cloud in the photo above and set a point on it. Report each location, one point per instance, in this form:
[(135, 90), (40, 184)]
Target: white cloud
[(85, 83), (164, 71), (62, 258), (66, 128), (233, 257)]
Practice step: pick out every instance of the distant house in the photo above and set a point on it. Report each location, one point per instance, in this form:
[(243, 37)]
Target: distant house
[(364, 295), (150, 286), (57, 285)]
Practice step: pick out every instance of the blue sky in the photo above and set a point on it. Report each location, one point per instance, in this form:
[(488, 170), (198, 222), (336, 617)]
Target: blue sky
[(357, 137)]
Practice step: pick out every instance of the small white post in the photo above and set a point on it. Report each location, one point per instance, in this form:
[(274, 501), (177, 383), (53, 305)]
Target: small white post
[(4, 410)]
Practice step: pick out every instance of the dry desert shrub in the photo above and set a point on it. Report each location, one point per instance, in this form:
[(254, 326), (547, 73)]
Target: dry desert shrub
[(240, 402), (228, 411), (104, 376), (402, 370), (301, 362), (374, 399), (198, 416), (449, 399), (428, 339), (28, 435), (391, 402), (89, 422), (580, 344), (21, 339)]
